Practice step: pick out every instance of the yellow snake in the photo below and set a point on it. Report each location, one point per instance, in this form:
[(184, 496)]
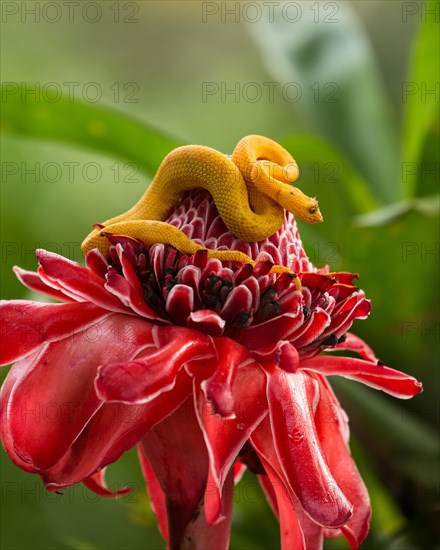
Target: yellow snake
[(250, 191)]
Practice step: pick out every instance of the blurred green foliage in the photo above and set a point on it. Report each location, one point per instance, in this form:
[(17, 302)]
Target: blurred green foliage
[(365, 133)]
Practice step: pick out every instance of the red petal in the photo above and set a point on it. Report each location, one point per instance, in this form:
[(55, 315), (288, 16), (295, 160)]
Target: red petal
[(239, 470), (273, 330), (225, 437), (341, 292), (157, 496), (291, 532), (96, 262), (317, 281), (218, 387), (252, 285), (14, 376), (263, 267), (32, 280), (243, 273), (354, 343), (298, 449), (238, 300), (114, 429), (56, 397), (342, 466), (137, 301), (283, 354), (269, 491), (176, 451), (143, 380), (312, 533), (26, 325), (97, 484), (75, 278), (344, 277), (200, 534), (72, 296), (180, 303), (131, 298), (379, 377), (356, 307), (206, 321), (190, 276), (312, 329), (293, 512)]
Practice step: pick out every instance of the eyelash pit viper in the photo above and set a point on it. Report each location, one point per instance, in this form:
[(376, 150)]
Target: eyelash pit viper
[(250, 190)]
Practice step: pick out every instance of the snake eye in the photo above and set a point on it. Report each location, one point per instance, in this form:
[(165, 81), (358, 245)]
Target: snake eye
[(312, 210)]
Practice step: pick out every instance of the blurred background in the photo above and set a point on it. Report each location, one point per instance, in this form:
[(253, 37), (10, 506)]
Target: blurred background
[(96, 93)]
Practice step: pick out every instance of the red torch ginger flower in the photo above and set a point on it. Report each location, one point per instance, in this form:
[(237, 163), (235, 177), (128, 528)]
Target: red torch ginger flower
[(207, 366)]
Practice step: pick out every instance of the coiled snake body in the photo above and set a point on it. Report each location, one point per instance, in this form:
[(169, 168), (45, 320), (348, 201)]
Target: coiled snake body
[(250, 191)]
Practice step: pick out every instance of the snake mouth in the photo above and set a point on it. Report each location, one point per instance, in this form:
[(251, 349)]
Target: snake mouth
[(314, 218)]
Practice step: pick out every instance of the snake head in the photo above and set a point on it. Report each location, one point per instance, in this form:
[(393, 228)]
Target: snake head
[(312, 214), (303, 207)]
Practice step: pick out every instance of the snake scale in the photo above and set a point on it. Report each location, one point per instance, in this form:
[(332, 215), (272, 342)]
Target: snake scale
[(250, 190)]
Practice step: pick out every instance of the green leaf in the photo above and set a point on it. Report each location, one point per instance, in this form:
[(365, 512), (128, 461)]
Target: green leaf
[(324, 65), (322, 165), (413, 446), (420, 93), (386, 518), (427, 206), (254, 525), (101, 129), (341, 191), (398, 266)]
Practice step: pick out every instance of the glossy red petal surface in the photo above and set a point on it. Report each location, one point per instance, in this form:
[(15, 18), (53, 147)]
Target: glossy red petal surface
[(97, 484), (291, 532), (218, 387), (293, 511), (207, 322), (383, 378), (142, 380), (225, 437), (180, 303), (356, 344), (96, 262), (33, 281), (26, 325), (14, 376), (114, 429), (157, 496), (299, 451), (330, 433), (268, 332), (176, 451), (200, 534), (73, 277), (130, 297), (56, 397)]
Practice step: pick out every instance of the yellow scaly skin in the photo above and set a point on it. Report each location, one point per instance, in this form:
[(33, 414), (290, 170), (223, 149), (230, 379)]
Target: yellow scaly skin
[(250, 192)]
